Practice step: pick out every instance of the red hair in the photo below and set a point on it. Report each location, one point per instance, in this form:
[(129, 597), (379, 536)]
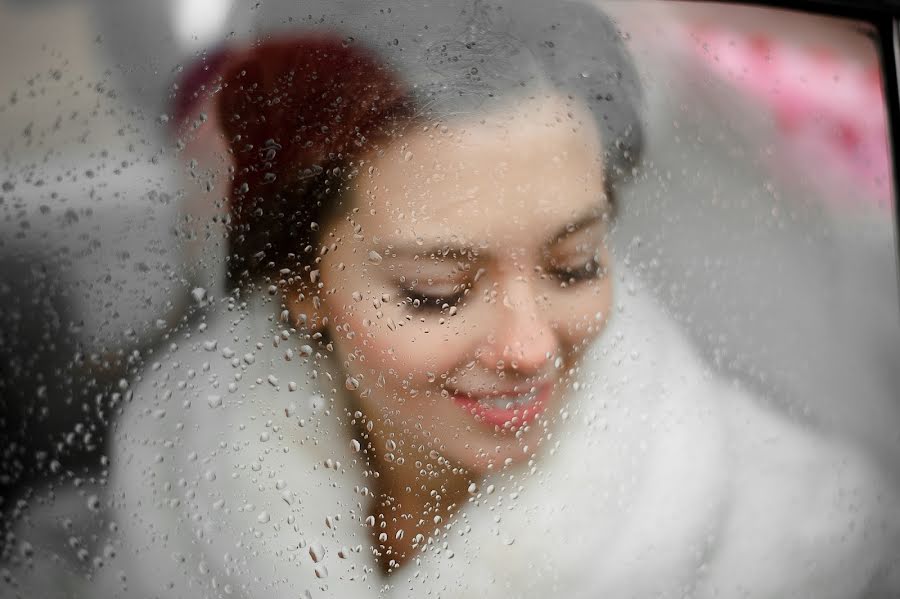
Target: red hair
[(295, 112), (196, 85)]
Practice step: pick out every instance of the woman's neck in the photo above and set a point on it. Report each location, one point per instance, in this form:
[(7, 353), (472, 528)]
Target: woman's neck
[(416, 493)]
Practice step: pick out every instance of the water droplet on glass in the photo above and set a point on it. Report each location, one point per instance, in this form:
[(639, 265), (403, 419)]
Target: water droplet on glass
[(351, 384), (214, 401), (316, 551), (375, 257)]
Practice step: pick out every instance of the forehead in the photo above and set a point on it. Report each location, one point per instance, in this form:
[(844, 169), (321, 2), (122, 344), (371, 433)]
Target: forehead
[(512, 175)]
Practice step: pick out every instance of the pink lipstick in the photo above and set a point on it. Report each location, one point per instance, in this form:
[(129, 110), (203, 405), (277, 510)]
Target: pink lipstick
[(506, 410)]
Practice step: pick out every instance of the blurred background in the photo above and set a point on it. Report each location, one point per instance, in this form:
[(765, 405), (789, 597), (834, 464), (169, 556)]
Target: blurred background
[(762, 217)]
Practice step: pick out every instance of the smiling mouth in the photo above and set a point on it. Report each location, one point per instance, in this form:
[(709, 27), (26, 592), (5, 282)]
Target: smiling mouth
[(505, 410), (509, 400)]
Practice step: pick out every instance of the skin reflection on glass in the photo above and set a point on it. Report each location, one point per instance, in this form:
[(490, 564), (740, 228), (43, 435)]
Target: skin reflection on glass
[(462, 281)]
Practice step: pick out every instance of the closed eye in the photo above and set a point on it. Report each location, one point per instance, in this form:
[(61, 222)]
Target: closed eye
[(420, 300), (592, 269)]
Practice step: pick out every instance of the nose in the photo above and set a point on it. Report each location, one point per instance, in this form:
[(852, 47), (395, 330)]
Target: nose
[(523, 338)]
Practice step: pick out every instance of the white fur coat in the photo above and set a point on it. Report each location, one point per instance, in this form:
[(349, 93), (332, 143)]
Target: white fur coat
[(660, 481)]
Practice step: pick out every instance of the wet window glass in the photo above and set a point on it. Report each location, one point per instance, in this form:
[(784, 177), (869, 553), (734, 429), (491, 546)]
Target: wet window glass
[(470, 298)]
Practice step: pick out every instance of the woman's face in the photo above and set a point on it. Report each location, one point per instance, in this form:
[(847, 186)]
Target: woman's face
[(466, 277)]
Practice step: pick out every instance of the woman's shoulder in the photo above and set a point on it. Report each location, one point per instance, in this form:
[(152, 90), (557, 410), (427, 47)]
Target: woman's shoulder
[(212, 379), (811, 513), (808, 513), (804, 512), (234, 438)]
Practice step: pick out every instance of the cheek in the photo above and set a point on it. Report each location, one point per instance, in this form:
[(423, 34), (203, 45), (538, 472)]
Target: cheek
[(583, 312), (395, 343)]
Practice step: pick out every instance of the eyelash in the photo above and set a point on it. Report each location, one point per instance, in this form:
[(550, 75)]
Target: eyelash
[(592, 269)]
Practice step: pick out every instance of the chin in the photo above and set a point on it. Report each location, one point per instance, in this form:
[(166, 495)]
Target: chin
[(481, 456)]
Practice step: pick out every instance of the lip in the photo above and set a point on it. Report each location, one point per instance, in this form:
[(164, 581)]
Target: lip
[(505, 418)]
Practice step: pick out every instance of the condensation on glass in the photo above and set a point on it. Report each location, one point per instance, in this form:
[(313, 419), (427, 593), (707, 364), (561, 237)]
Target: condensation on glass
[(475, 298)]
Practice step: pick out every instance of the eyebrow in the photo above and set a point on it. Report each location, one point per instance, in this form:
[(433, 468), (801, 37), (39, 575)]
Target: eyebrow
[(585, 222), (458, 251), (444, 251)]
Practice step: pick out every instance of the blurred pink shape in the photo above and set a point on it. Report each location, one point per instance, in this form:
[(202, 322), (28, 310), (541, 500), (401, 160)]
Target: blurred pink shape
[(828, 109)]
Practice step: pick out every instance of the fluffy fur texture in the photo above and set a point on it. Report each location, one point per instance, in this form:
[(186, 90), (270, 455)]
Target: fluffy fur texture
[(661, 481)]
